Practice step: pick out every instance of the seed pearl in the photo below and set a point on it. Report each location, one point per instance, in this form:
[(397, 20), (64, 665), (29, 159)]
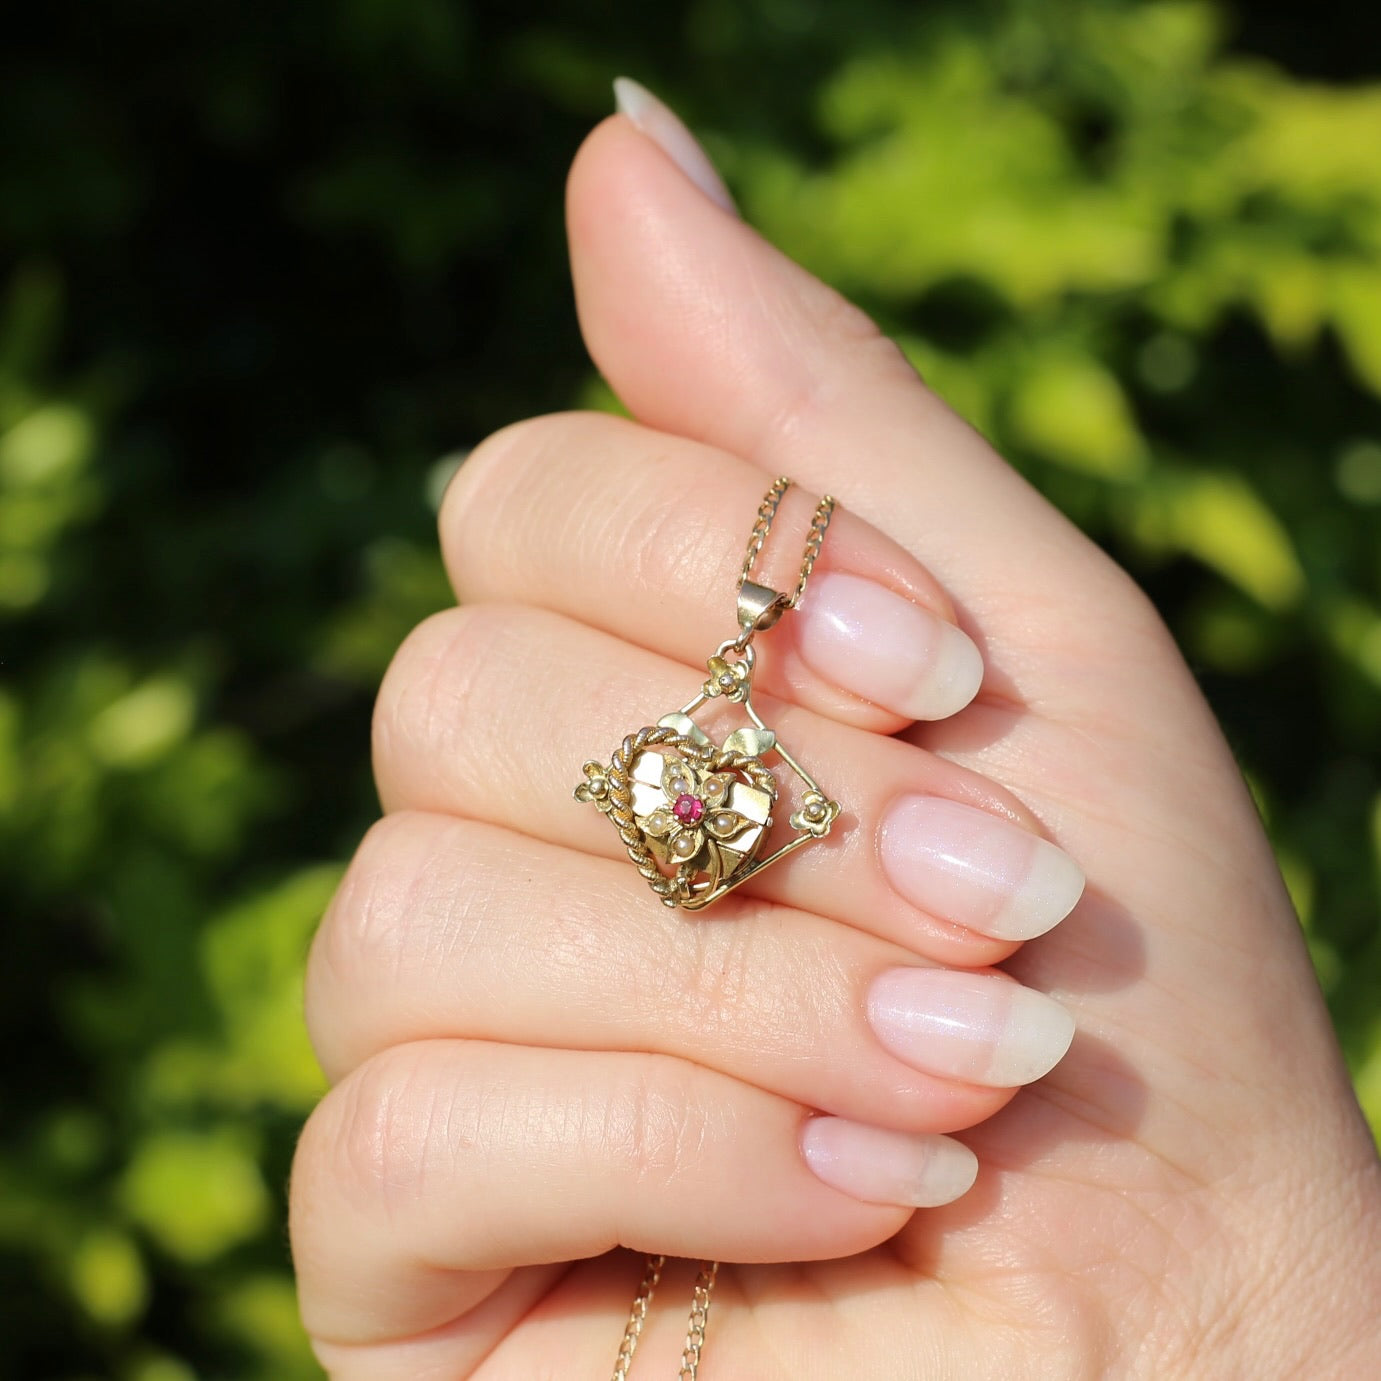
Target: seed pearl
[(723, 822), (683, 846)]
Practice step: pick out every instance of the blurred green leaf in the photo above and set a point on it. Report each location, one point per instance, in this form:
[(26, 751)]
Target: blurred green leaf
[(197, 1194), (143, 724), (108, 1277), (1073, 410), (1222, 521)]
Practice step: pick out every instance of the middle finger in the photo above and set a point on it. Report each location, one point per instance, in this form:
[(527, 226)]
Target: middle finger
[(488, 710)]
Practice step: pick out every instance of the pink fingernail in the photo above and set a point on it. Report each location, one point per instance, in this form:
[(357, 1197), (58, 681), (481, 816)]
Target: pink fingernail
[(971, 1026), (962, 864), (870, 640), (886, 1167), (663, 126)]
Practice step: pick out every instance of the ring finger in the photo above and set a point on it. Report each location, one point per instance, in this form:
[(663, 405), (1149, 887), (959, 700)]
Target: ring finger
[(449, 929)]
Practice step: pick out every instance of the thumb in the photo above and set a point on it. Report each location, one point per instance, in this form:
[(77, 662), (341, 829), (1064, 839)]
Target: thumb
[(705, 330)]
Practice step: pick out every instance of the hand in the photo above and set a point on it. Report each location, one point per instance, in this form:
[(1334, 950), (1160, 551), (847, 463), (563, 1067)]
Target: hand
[(536, 1062)]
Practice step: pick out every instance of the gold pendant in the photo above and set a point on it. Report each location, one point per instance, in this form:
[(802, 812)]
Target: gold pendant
[(694, 817)]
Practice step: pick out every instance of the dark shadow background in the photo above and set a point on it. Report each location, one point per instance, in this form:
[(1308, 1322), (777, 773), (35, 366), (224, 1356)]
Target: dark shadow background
[(266, 271)]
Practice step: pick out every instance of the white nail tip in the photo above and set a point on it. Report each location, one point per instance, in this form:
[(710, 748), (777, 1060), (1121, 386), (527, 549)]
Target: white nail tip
[(664, 127), (978, 1028), (954, 679), (1049, 892), (965, 865), (950, 1175), (1039, 1033)]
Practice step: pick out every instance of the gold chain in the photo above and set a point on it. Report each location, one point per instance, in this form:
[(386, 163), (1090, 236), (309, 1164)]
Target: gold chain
[(699, 1319), (652, 1276), (709, 1270), (695, 1329), (762, 525)]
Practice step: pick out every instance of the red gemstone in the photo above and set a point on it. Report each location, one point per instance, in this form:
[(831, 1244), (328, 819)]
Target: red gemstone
[(688, 809)]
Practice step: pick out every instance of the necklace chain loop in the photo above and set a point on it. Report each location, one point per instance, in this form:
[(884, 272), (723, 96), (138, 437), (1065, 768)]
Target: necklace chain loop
[(695, 1328), (762, 525), (759, 607)]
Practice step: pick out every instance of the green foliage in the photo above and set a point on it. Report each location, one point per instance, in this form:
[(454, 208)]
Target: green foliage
[(272, 270)]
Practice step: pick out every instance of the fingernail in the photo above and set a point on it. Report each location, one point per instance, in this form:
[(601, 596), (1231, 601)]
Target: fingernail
[(885, 1167), (964, 865), (863, 637), (661, 124), (971, 1026)]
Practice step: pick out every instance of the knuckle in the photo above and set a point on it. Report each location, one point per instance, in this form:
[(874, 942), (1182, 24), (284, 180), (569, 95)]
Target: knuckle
[(484, 479), (387, 1132), (870, 354), (842, 320), (410, 683), (484, 497), (657, 1126), (731, 983), (308, 1188), (444, 668), (874, 353), (365, 930), (715, 991)]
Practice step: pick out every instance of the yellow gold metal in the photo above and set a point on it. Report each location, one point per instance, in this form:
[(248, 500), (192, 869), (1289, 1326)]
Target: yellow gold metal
[(699, 1321), (759, 607), (695, 1327), (633, 1330), (694, 817), (767, 511)]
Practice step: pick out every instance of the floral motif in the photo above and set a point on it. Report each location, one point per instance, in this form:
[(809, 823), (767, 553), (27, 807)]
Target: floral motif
[(729, 679), (594, 790), (694, 817), (816, 814)]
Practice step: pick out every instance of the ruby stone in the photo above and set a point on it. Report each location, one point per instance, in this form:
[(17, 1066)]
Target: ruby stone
[(688, 809)]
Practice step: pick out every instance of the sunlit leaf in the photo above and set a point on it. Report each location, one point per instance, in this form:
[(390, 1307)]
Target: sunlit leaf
[(1074, 411), (144, 724), (108, 1278), (1220, 520), (195, 1193)]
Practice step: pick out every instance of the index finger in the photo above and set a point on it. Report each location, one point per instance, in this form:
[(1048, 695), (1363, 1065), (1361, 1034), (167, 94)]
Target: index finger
[(643, 535)]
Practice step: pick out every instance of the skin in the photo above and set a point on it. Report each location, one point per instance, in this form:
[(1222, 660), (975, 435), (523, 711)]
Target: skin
[(537, 1067)]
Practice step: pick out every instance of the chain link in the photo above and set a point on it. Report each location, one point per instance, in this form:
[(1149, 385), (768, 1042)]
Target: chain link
[(652, 1276), (762, 525), (695, 1330), (699, 1320)]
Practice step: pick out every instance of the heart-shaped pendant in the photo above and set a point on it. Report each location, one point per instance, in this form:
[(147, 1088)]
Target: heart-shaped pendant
[(695, 817)]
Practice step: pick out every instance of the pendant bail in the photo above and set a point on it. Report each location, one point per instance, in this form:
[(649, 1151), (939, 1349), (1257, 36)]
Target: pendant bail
[(758, 609)]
